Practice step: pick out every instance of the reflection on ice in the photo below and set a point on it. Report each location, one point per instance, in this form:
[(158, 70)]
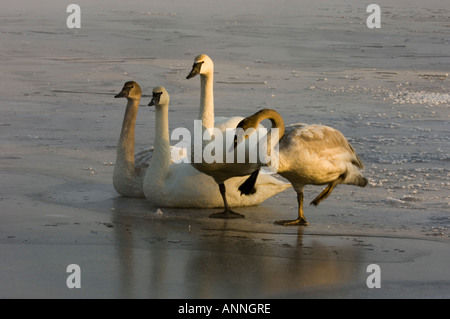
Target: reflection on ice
[(222, 263)]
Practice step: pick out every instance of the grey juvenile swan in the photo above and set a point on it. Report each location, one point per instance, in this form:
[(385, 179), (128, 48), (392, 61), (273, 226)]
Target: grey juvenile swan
[(310, 155), (129, 169)]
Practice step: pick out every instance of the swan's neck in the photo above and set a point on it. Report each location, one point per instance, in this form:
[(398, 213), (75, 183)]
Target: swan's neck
[(274, 117), (272, 146), (161, 154), (125, 147), (207, 100)]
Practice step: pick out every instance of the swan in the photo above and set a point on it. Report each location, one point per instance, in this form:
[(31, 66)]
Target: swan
[(204, 66), (311, 155), (180, 185), (129, 169)]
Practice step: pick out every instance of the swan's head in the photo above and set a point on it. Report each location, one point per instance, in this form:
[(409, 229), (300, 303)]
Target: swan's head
[(130, 90), (250, 124), (159, 97), (241, 130), (202, 65)]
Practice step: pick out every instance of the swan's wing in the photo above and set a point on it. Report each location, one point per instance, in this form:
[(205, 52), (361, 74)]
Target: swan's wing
[(296, 125), (266, 187), (320, 139), (143, 158), (267, 171), (177, 154), (222, 123)]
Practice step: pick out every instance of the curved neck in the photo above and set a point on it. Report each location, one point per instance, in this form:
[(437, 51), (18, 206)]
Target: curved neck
[(272, 146), (207, 100), (274, 117)]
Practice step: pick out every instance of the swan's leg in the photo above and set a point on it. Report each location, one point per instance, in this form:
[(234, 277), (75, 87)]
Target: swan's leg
[(326, 192), (301, 220), (227, 213)]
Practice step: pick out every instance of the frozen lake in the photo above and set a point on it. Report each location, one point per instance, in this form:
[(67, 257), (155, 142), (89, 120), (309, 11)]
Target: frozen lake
[(387, 90)]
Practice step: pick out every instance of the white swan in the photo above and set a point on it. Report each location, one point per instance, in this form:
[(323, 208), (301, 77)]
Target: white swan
[(181, 185), (129, 169), (311, 155), (204, 66)]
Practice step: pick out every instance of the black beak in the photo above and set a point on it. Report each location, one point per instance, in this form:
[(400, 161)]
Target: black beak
[(124, 93), (121, 94), (235, 143), (238, 127), (195, 70), (155, 99)]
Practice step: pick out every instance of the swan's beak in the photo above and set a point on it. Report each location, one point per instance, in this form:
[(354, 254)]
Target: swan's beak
[(155, 99), (122, 93), (236, 137), (235, 143), (239, 137), (195, 70)]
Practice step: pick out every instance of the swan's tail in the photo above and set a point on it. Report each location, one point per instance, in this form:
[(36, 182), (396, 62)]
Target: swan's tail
[(248, 187)]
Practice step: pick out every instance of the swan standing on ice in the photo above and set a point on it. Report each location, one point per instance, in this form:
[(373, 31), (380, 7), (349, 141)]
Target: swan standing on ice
[(180, 184), (204, 66), (311, 155), (129, 169)]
